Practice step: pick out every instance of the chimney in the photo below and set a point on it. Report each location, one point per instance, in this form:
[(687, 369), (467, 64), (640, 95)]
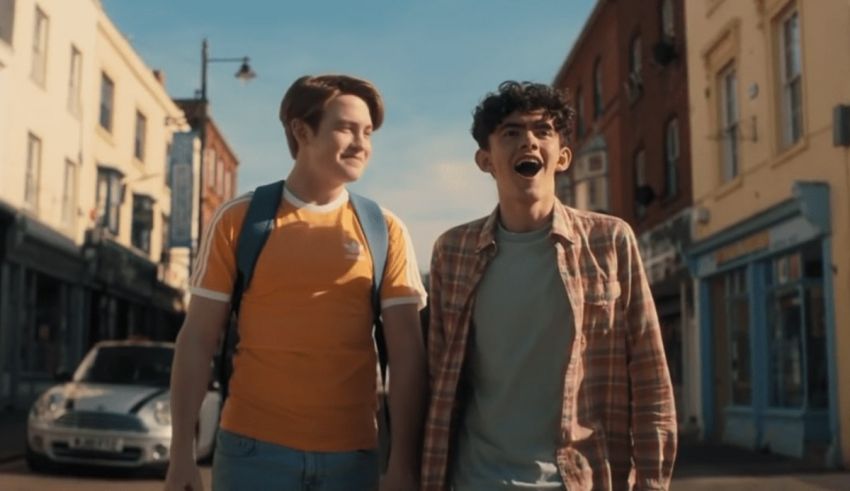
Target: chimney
[(159, 75)]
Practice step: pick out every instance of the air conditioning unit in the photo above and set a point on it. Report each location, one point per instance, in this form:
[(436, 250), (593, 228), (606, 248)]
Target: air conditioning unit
[(664, 52)]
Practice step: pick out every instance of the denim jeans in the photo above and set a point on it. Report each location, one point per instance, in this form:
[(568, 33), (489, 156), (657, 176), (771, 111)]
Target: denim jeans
[(242, 463)]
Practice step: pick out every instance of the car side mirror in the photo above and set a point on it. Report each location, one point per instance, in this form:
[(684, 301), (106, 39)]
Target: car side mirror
[(62, 376)]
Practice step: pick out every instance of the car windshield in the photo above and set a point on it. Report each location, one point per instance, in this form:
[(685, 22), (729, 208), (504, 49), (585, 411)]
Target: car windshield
[(128, 365)]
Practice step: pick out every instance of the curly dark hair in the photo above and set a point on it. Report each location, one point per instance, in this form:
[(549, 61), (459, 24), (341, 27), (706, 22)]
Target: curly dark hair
[(525, 97)]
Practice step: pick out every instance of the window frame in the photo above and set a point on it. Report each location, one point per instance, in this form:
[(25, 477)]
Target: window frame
[(140, 136), (729, 124), (107, 104), (790, 85), (672, 140), (75, 81), (40, 43), (32, 173)]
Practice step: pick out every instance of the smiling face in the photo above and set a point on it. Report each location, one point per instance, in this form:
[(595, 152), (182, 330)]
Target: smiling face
[(523, 154), (339, 149)]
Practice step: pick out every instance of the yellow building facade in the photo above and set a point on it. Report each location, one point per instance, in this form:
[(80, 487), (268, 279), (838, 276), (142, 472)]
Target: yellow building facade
[(768, 80)]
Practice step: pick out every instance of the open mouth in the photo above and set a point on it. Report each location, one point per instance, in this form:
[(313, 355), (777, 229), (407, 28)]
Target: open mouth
[(528, 168)]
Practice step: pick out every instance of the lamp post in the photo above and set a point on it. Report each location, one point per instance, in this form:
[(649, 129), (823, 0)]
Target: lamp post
[(245, 74)]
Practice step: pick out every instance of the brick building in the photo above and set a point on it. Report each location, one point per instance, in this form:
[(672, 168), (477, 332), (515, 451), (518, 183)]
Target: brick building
[(627, 77)]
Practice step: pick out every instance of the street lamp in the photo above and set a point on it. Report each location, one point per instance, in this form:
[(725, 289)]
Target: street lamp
[(245, 74)]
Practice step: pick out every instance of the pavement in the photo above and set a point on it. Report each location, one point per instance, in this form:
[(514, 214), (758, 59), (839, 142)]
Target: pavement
[(699, 466)]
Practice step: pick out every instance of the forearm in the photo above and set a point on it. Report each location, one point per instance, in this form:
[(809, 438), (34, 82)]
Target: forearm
[(408, 390), (189, 381)]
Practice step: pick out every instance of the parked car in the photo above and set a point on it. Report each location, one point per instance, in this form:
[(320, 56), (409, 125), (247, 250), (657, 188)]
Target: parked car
[(115, 411)]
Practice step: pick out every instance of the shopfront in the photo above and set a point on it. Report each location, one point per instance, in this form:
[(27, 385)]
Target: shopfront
[(767, 329)]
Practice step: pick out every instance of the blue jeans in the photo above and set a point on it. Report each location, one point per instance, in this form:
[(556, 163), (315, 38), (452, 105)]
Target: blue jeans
[(242, 463)]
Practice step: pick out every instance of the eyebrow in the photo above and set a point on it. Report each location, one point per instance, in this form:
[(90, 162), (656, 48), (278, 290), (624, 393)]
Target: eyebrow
[(534, 124)]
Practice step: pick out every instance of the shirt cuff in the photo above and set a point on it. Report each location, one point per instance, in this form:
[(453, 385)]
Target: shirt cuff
[(392, 302), (211, 294)]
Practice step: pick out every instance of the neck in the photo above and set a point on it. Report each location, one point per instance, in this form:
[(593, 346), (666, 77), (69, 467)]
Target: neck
[(312, 188), (520, 217)]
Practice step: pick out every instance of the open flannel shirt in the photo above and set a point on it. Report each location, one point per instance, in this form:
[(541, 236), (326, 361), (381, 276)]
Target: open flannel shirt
[(618, 420)]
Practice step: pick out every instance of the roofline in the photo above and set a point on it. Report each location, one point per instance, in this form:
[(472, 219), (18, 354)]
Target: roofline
[(591, 20)]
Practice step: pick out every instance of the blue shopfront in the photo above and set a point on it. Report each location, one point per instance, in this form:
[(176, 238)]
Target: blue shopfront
[(767, 329)]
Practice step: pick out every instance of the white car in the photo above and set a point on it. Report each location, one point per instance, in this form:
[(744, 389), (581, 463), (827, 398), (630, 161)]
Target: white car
[(115, 411)]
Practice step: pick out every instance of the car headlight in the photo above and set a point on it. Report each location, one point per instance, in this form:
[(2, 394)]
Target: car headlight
[(162, 412), (48, 406)]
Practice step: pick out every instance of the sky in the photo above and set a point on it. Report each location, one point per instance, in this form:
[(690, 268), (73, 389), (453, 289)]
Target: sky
[(433, 61)]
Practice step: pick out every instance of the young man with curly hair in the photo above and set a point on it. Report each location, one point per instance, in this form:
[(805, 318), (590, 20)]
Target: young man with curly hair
[(302, 401), (547, 368)]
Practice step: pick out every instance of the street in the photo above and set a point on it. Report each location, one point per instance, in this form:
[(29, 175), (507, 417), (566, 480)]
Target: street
[(15, 476)]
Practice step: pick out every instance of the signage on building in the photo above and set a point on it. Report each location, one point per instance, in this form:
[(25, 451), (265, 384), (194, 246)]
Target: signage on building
[(182, 180), (753, 243)]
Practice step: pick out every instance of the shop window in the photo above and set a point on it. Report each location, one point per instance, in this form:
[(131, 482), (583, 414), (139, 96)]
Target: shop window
[(796, 330), (142, 222), (730, 325)]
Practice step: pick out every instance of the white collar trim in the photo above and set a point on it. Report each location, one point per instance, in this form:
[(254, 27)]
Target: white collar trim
[(327, 207)]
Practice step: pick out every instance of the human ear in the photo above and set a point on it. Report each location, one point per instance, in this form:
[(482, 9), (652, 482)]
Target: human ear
[(482, 159), (301, 131), (564, 159)]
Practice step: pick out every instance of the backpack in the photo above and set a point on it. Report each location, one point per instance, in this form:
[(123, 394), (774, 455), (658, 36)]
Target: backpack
[(259, 222)]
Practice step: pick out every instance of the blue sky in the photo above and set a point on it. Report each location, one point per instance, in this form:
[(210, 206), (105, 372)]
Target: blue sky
[(432, 61)]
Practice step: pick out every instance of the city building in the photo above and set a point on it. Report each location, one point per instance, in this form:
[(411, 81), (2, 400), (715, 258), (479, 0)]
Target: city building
[(627, 78), (769, 136), (220, 163), (85, 127)]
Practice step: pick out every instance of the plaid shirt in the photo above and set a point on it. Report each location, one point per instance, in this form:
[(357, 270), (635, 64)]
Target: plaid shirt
[(618, 420)]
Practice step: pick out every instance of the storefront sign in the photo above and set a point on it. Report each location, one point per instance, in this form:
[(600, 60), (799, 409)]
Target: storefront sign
[(182, 179), (748, 245)]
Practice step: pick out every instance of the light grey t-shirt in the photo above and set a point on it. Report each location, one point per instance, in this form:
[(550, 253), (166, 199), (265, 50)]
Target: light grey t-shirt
[(519, 352)]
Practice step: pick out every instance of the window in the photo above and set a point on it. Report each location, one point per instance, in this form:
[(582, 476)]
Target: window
[(635, 59), (219, 177), (109, 198), (75, 82), (142, 222), (797, 330), (671, 159), (731, 322), (640, 180), (791, 79), (107, 98), (7, 21), (590, 190), (139, 139), (597, 88), (668, 20), (209, 168), (579, 114), (33, 172), (228, 181), (69, 194), (729, 122), (38, 71)]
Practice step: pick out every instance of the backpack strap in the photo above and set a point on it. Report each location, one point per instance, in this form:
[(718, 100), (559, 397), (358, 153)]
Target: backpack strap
[(258, 224), (374, 226)]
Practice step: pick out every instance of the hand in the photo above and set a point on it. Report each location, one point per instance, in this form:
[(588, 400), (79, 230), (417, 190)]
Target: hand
[(183, 476), (395, 480)]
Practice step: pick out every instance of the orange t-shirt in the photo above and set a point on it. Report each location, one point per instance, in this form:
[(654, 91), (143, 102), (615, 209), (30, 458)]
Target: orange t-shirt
[(304, 369)]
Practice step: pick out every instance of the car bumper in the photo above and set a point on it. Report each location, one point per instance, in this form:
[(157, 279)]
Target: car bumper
[(95, 447)]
